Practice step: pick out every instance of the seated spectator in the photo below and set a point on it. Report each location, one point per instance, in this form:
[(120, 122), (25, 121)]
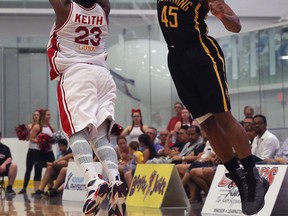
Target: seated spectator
[(58, 185), (194, 145), (265, 144), (181, 138), (53, 168), (7, 167), (148, 153), (247, 121), (203, 176), (281, 155), (163, 137), (250, 133), (152, 133), (205, 159), (121, 144), (137, 158), (125, 157)]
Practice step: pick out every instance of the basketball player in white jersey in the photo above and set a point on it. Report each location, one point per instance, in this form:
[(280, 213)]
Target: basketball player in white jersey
[(86, 95)]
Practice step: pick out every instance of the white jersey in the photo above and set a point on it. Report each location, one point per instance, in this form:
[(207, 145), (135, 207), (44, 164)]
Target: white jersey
[(81, 39)]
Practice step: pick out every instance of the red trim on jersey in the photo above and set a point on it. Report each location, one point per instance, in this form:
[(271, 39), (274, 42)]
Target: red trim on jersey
[(54, 48), (65, 115), (52, 52)]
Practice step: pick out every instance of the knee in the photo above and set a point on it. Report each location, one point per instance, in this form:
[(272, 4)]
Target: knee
[(13, 168)]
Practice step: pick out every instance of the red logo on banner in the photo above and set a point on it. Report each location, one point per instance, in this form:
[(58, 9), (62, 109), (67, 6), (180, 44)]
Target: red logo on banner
[(266, 172)]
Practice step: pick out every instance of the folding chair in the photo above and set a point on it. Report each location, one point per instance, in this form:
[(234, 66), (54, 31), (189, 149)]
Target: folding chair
[(2, 185)]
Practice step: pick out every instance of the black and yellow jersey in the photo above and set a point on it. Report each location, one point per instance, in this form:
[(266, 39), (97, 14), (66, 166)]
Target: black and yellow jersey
[(182, 21)]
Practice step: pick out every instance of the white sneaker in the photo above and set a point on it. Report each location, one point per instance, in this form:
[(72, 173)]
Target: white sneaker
[(97, 192), (117, 198)]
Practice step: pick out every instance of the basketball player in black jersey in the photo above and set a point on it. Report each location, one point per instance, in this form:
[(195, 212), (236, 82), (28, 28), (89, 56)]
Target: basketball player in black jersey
[(196, 63)]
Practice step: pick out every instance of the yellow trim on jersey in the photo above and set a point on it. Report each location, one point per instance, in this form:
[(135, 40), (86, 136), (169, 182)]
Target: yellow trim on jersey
[(211, 57)]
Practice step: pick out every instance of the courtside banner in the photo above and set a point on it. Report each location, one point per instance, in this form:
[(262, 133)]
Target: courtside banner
[(153, 185), (224, 199), (74, 186)]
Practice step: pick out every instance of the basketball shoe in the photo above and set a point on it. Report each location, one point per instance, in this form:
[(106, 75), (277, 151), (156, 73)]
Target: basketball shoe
[(98, 190), (252, 189), (117, 198)]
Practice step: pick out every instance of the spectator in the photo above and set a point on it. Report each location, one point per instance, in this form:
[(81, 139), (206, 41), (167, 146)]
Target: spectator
[(177, 109), (124, 159), (148, 153), (248, 112), (137, 155), (43, 154), (181, 138), (204, 159), (58, 185), (152, 133), (195, 146), (137, 126), (53, 168), (193, 141), (30, 156), (186, 120), (121, 144), (250, 133), (203, 176), (281, 155), (265, 144), (7, 167), (247, 121), (137, 158), (163, 137)]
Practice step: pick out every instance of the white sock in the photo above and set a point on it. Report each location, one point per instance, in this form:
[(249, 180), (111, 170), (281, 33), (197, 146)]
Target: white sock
[(83, 155), (106, 153)]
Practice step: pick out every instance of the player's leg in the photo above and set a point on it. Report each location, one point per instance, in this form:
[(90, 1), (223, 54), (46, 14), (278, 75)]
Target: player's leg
[(108, 158), (97, 189)]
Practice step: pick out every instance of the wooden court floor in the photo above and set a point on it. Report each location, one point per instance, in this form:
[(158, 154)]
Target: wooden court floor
[(26, 205)]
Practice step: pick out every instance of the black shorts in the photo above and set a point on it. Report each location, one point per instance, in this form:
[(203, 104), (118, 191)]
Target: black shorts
[(6, 171), (200, 78)]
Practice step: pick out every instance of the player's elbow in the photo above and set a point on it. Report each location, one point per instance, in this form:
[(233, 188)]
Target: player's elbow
[(238, 29)]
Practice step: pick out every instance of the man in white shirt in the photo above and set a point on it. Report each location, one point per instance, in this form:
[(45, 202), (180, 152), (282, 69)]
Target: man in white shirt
[(265, 144)]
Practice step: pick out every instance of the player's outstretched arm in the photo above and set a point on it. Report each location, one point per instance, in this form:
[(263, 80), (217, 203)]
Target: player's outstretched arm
[(105, 4), (61, 9), (224, 13)]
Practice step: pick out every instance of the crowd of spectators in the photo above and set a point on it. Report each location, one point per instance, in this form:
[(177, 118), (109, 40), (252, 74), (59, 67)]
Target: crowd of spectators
[(182, 143)]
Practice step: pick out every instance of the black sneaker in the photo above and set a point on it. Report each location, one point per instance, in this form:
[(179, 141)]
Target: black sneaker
[(37, 193), (10, 191), (257, 189), (22, 191), (252, 192), (52, 193)]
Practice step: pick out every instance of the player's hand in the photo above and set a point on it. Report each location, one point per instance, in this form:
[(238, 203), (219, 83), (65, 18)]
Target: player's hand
[(216, 7)]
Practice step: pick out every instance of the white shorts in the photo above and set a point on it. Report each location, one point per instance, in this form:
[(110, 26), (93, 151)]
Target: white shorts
[(86, 98)]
